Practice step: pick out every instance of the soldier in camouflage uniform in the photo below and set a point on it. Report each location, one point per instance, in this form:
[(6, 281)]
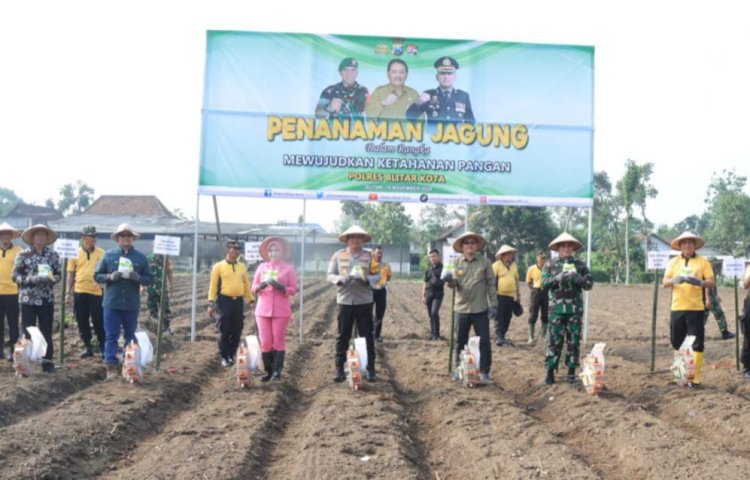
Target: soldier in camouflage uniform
[(345, 99), (713, 305), (565, 277), (153, 291)]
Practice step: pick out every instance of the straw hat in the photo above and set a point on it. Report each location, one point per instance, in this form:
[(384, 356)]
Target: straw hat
[(7, 227), (457, 244), (124, 227), (565, 237), (266, 244), (685, 236), (505, 249), (354, 230), (28, 234)]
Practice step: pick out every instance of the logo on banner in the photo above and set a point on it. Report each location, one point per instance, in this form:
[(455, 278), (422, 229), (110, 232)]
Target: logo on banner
[(483, 199), (423, 198), (372, 197), (267, 193), (319, 195)]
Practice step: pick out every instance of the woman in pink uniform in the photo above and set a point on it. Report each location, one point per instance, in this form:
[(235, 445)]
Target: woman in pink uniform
[(273, 284)]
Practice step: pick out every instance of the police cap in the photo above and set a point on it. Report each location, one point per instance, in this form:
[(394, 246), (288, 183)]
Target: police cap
[(232, 243), (446, 65), (88, 230)]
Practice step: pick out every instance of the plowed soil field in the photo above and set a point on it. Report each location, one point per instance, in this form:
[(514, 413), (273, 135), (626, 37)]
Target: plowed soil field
[(190, 420)]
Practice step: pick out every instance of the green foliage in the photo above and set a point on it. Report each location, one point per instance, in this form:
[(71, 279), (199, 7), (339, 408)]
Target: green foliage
[(8, 201), (728, 219), (388, 223), (74, 198), (527, 229)]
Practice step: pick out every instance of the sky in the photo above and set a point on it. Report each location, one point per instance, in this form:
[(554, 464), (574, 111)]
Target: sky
[(110, 93)]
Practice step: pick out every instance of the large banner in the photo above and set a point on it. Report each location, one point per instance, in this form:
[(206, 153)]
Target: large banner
[(397, 119)]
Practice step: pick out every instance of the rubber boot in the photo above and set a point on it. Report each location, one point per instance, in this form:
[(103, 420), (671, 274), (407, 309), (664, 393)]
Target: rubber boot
[(571, 375), (698, 359), (87, 352), (278, 364), (550, 376), (339, 375), (545, 332), (532, 327), (268, 364)]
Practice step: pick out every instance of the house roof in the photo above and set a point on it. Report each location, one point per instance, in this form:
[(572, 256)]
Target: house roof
[(28, 210), (450, 231), (142, 205)]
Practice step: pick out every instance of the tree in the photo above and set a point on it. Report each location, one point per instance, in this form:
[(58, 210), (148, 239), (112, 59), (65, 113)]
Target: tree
[(634, 189), (387, 223), (528, 229), (728, 213), (8, 201), (74, 198), (351, 211), (606, 232)]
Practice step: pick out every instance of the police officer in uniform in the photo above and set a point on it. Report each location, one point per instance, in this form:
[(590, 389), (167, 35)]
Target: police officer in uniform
[(346, 98), (443, 103)]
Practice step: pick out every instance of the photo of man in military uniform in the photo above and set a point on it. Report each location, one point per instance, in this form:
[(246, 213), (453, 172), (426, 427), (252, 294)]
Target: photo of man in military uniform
[(346, 98), (444, 103)]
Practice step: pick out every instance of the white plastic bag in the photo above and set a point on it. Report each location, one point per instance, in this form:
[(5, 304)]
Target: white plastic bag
[(474, 347), (253, 348), (361, 347), (146, 349), (38, 344)]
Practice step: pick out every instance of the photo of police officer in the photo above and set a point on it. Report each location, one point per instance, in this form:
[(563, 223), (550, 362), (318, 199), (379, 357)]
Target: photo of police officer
[(444, 103)]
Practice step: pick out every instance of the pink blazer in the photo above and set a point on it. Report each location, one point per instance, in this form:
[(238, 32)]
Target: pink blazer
[(270, 302)]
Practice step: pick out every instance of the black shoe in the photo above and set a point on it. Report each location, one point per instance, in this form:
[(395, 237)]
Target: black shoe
[(268, 365), (379, 339), (10, 358), (726, 335), (278, 364), (500, 341), (48, 367), (572, 375), (87, 352), (371, 377), (550, 377), (338, 375), (746, 374)]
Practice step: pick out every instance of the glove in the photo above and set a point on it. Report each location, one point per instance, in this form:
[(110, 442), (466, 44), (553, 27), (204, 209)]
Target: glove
[(693, 281), (115, 276), (131, 276), (559, 277), (345, 280), (261, 286), (577, 279), (278, 286), (678, 280), (447, 275), (492, 312)]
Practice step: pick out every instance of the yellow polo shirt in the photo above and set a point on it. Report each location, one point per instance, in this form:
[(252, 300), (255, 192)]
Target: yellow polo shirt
[(83, 268), (687, 297), (7, 259), (534, 276), (506, 278)]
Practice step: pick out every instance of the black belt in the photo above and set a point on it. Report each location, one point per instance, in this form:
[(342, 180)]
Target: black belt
[(231, 298)]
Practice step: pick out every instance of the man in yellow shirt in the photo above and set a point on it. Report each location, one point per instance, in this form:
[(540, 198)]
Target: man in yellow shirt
[(229, 286), (8, 288), (687, 275), (84, 293), (506, 274), (392, 100), (745, 324), (539, 299), (382, 270)]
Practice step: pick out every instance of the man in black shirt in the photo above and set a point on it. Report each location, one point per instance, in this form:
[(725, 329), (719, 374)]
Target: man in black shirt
[(432, 292)]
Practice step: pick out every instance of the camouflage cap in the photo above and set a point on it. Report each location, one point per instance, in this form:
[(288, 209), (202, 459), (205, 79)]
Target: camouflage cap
[(88, 230), (232, 243), (348, 62)]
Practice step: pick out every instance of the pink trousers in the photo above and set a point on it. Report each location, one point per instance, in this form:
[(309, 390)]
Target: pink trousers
[(272, 331)]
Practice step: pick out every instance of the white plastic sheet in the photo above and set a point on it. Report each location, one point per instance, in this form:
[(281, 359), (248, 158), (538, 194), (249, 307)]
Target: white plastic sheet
[(253, 348), (146, 349), (361, 346), (38, 344), (474, 347)]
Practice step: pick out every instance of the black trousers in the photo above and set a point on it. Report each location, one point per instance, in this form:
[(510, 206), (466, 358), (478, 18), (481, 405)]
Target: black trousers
[(433, 310), (379, 298), (481, 324), (231, 320), (8, 311), (686, 322), (539, 301), (88, 306), (41, 316), (504, 315), (745, 327), (347, 316)]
